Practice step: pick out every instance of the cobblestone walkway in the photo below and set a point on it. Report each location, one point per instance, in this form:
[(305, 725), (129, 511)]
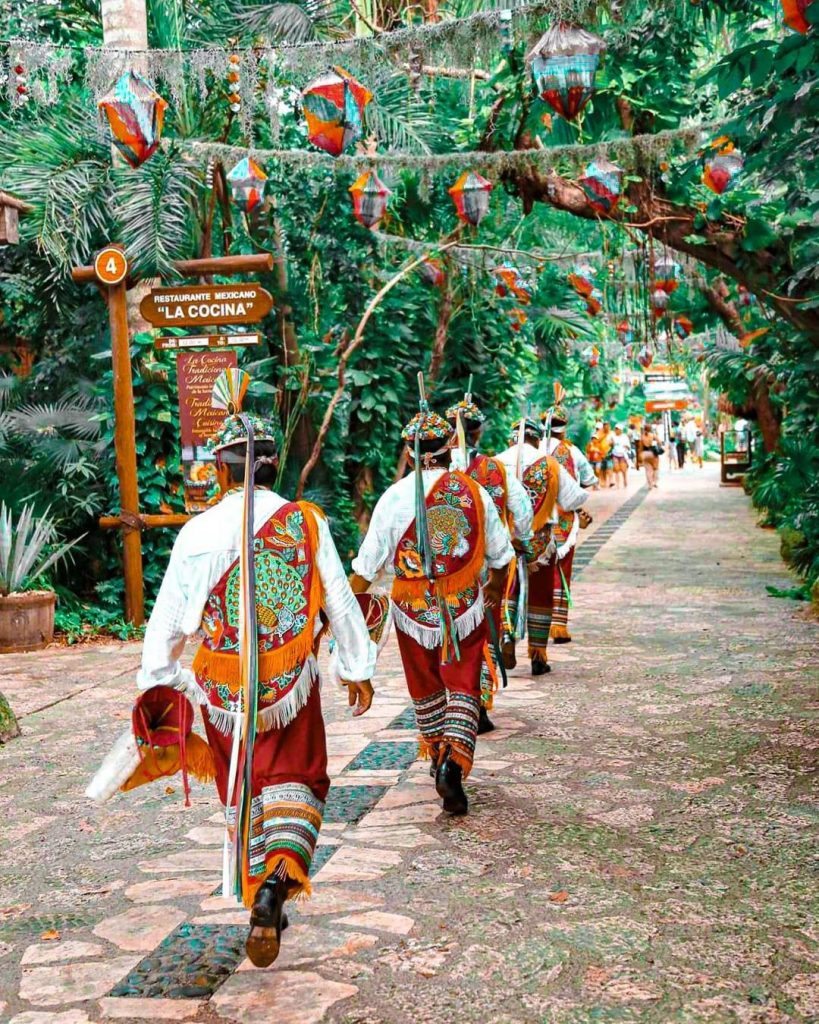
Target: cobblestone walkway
[(641, 843)]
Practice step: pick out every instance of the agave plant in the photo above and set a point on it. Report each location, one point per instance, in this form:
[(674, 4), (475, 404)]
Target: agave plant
[(24, 553)]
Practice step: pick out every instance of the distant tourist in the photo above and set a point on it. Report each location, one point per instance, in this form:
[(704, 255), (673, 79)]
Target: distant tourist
[(621, 454), (650, 451)]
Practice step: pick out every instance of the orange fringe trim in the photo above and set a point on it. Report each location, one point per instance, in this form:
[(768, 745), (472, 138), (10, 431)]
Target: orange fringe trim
[(298, 882), (547, 505), (428, 749), (558, 631), (414, 591), (540, 651), (225, 667), (493, 672), (461, 757)]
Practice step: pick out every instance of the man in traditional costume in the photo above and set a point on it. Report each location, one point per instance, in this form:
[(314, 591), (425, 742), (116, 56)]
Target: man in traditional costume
[(515, 511), (253, 573), (565, 530), (531, 597), (436, 529)]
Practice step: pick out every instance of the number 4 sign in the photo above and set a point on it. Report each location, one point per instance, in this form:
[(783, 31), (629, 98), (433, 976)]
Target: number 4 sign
[(110, 265)]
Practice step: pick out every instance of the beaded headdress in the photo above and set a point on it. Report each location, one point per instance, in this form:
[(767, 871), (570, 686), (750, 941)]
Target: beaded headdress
[(229, 390)]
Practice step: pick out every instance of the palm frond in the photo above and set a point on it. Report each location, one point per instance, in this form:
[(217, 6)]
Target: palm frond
[(62, 169), (154, 212)]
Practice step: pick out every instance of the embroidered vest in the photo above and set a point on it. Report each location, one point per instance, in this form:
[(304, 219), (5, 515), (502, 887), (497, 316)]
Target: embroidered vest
[(288, 599), (455, 517), (565, 520), (541, 481), (491, 475)]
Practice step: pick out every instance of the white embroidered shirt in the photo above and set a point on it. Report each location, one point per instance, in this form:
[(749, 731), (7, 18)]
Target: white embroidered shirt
[(204, 550)]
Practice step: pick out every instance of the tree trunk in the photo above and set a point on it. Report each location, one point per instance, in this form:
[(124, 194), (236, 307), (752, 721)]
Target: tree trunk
[(8, 723), (124, 24)]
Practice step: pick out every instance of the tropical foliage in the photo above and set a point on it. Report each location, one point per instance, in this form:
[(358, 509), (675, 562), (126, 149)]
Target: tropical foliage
[(749, 256)]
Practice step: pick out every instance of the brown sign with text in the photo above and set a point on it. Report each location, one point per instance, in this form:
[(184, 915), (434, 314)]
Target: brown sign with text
[(198, 305)]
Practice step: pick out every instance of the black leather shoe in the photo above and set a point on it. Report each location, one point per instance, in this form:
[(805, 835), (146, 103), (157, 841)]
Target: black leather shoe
[(266, 923), (539, 666), (449, 784), (485, 723)]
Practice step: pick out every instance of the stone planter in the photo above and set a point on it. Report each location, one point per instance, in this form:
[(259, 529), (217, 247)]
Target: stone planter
[(26, 621)]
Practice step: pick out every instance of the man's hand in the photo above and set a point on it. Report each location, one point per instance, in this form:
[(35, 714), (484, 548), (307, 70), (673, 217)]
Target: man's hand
[(360, 697)]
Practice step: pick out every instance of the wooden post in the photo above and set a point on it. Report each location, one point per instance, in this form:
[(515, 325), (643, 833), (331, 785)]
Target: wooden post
[(125, 448), (110, 270)]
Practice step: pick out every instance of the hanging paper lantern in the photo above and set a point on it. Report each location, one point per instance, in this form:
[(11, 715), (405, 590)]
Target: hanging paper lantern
[(582, 278), (723, 166), (334, 105), (247, 183), (135, 116), (512, 282), (625, 333), (518, 317), (602, 183), (682, 326), (794, 14), (666, 275), (432, 271), (564, 64), (594, 302), (645, 357), (370, 196), (470, 194), (659, 301)]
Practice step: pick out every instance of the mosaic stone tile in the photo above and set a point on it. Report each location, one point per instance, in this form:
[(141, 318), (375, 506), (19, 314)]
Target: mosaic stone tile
[(184, 860), (44, 1017), (379, 920), (300, 997), (149, 1009), (56, 952), (191, 963), (351, 803), (159, 889), (140, 929), (57, 985), (333, 899), (385, 755), (406, 720)]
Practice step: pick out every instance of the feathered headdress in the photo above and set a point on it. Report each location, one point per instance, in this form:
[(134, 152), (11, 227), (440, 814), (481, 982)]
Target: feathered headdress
[(556, 415), (229, 390)]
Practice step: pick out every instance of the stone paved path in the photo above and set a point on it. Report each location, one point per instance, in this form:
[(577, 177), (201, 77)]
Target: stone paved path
[(641, 843)]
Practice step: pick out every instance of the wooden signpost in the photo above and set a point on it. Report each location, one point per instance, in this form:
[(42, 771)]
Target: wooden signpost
[(219, 305)]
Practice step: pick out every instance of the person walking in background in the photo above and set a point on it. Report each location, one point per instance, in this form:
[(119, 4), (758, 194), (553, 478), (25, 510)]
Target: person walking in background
[(650, 451), (690, 433), (679, 445), (621, 455), (606, 436), (594, 453)]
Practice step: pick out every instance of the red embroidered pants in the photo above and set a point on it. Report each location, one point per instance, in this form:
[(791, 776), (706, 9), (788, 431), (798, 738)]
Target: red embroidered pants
[(559, 631), (541, 606), (289, 788), (446, 696)]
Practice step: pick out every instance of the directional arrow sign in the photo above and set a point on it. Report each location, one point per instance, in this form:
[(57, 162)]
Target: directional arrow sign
[(201, 305)]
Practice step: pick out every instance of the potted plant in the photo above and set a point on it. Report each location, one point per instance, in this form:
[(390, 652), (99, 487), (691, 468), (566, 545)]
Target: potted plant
[(27, 551)]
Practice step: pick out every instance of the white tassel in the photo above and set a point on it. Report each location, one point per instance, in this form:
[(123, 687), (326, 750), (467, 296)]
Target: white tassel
[(429, 637), (119, 765)]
